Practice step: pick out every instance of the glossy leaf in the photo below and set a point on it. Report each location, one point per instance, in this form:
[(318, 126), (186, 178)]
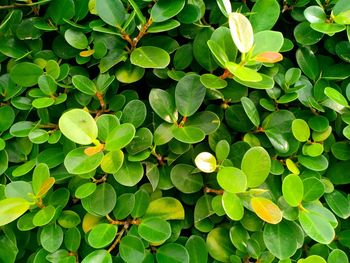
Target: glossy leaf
[(189, 94), (266, 210), (150, 57), (78, 126), (293, 189), (232, 179), (11, 209), (241, 31), (256, 165)]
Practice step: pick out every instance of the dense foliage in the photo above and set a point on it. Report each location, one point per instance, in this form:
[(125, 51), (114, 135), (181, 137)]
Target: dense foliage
[(174, 131)]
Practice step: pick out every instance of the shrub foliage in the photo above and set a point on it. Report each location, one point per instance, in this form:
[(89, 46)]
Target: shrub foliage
[(174, 131)]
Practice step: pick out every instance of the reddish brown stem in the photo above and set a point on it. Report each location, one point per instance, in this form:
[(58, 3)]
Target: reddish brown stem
[(208, 190)]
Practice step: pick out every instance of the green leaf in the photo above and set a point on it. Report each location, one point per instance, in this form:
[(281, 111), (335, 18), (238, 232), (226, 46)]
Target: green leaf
[(44, 216), (77, 162), (167, 208), (102, 235), (26, 74), (305, 35), (339, 204), (76, 39), (131, 249), (316, 227), (101, 256), (256, 165), (51, 237), (222, 150), (59, 10), (5, 123), (150, 57), (337, 256), (78, 126), (336, 96), (233, 206), (219, 244), (135, 113), (241, 32), (232, 179), (124, 206), (120, 137), (293, 190), (172, 253), (40, 175), (281, 239), (111, 11), (188, 134), (315, 14), (243, 73), (112, 161), (69, 219), (218, 53), (184, 180), (47, 84), (211, 81), (102, 201), (319, 163), (264, 15), (72, 239), (163, 104), (313, 189), (251, 111), (265, 83), (328, 28), (201, 50), (154, 230), (85, 190), (205, 162), (312, 259), (129, 174), (197, 249), (164, 10), (223, 39), (163, 26), (11, 209), (84, 84), (189, 94), (308, 63), (301, 130)]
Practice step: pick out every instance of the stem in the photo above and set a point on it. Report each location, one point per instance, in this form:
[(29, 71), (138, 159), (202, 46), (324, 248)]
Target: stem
[(226, 74), (123, 223), (183, 121), (101, 180), (142, 32), (208, 190), (119, 237), (100, 99), (48, 126)]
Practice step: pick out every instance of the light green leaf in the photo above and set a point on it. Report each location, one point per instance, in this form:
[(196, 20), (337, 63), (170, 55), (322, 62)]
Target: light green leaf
[(11, 209), (293, 190), (154, 230), (256, 165), (167, 208), (232, 179), (241, 32), (243, 73), (150, 57), (78, 126)]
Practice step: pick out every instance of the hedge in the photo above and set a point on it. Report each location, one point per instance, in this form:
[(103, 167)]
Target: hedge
[(174, 131)]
